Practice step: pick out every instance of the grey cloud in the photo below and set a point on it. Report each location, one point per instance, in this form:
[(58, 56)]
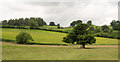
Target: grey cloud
[(43, 3), (100, 12)]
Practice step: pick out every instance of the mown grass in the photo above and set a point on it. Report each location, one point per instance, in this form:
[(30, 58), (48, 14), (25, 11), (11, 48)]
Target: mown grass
[(48, 37), (13, 52)]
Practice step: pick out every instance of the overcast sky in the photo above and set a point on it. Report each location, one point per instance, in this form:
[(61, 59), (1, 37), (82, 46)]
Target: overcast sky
[(101, 12)]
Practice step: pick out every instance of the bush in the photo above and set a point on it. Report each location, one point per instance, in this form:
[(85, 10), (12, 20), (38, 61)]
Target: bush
[(23, 37)]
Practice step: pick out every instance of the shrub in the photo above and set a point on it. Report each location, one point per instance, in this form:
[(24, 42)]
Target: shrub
[(23, 37)]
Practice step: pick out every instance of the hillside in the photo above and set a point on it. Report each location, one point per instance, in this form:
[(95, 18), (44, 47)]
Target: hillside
[(48, 37)]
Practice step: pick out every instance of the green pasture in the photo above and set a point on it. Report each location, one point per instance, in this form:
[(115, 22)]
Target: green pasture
[(13, 52), (48, 37)]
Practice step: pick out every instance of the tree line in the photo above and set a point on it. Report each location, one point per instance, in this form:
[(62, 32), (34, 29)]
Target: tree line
[(32, 22)]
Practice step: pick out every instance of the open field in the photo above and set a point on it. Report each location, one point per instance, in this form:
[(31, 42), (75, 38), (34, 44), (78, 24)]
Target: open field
[(47, 37), (15, 52)]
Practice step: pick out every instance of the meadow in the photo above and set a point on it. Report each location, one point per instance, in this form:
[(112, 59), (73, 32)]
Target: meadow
[(15, 52), (48, 37)]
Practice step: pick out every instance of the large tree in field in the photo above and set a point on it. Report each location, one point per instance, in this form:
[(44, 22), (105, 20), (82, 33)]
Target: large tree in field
[(81, 35)]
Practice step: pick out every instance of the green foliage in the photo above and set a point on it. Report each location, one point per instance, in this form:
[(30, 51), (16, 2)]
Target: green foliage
[(4, 23), (58, 26), (72, 24), (86, 39), (78, 21), (52, 24), (105, 28), (115, 24), (89, 22), (33, 24), (91, 28), (97, 29), (75, 23), (25, 21), (80, 34), (23, 37)]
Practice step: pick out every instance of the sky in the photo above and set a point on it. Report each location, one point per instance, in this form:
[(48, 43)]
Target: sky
[(101, 12)]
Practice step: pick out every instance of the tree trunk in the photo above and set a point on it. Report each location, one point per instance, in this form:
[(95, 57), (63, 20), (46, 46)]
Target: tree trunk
[(83, 46)]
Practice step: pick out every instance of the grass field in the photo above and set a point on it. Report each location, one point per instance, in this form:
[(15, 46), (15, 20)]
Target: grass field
[(48, 37), (14, 52)]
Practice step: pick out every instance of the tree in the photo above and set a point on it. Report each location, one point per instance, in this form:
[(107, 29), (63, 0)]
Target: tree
[(11, 22), (58, 26), (75, 23), (85, 39), (52, 24), (4, 23), (114, 24), (72, 24), (23, 37), (97, 29), (81, 35), (33, 24), (89, 22), (25, 21), (105, 28), (91, 28), (78, 21)]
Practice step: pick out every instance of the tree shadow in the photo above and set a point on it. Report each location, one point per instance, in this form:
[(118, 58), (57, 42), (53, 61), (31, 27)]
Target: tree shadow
[(32, 43), (7, 40), (86, 48)]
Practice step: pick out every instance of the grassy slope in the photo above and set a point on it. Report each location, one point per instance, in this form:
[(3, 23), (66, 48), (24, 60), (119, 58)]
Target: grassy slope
[(41, 36), (12, 52)]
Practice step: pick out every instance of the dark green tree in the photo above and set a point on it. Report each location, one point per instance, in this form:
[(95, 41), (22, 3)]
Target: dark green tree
[(33, 24), (11, 22), (91, 28), (89, 22), (25, 21), (85, 39), (72, 24), (97, 29), (4, 23), (52, 24), (78, 21), (23, 37), (78, 32), (58, 26), (114, 24), (105, 28)]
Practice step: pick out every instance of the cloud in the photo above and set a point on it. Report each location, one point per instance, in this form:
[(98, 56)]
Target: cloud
[(64, 12)]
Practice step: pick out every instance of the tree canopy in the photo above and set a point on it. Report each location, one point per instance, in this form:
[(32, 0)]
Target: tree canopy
[(24, 21), (80, 34), (23, 37), (52, 24)]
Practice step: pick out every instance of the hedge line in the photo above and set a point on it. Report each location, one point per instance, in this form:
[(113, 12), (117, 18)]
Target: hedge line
[(36, 29), (106, 35)]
